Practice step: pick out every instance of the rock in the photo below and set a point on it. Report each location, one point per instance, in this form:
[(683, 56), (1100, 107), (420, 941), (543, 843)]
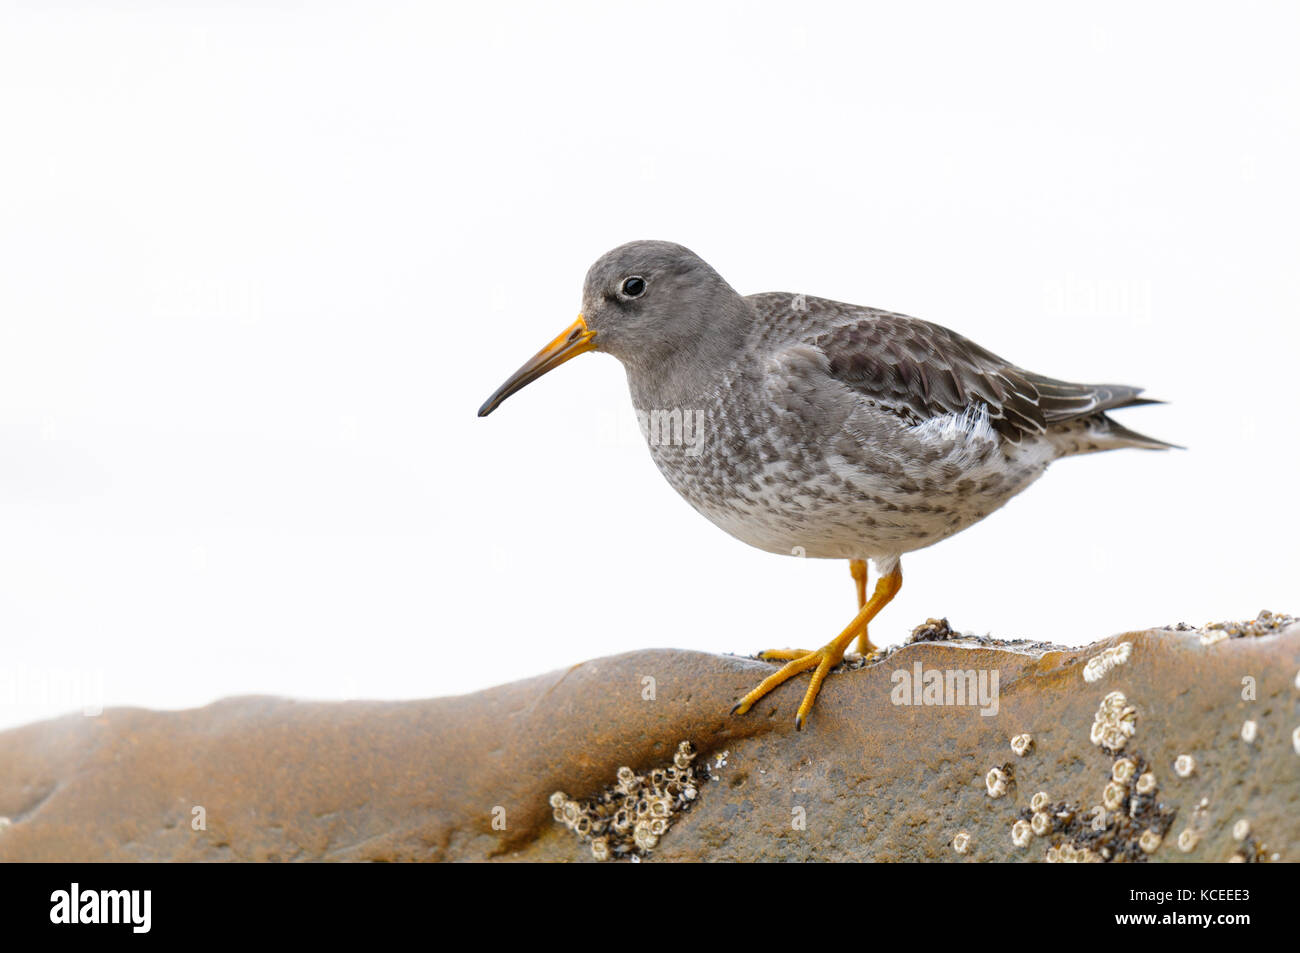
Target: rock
[(870, 778)]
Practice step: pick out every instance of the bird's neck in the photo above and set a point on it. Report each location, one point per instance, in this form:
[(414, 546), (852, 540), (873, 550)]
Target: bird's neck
[(687, 367)]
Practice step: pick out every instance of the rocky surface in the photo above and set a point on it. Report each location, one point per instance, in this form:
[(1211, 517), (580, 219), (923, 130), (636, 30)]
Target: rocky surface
[(870, 778)]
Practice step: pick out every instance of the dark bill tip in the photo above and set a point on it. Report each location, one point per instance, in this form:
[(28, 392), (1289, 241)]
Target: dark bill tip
[(576, 339)]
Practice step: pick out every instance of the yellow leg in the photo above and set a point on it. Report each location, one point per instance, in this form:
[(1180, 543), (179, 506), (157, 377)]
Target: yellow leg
[(826, 657), (859, 569)]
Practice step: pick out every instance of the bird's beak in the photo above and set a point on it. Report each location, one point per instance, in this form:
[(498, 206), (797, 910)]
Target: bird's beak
[(572, 341)]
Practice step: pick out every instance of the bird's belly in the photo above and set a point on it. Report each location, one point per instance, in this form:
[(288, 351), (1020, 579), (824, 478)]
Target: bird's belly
[(831, 508)]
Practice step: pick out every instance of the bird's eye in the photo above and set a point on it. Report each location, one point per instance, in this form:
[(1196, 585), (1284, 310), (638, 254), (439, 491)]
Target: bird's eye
[(634, 287)]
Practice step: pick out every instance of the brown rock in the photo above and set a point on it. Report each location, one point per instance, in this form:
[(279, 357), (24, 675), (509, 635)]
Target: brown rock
[(868, 779)]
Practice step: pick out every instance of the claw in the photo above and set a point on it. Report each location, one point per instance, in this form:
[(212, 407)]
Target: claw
[(824, 658)]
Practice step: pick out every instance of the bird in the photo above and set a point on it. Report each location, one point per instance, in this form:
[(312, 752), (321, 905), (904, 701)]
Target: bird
[(810, 427)]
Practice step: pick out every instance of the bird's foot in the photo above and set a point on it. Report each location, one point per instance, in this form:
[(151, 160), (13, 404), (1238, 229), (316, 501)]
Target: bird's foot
[(796, 661), (824, 658)]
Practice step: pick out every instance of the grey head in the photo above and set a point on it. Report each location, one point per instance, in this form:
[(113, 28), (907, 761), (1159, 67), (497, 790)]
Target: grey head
[(656, 306)]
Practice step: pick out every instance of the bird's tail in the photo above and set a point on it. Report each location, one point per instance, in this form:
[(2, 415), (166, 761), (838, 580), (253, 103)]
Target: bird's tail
[(1100, 431), (1117, 435)]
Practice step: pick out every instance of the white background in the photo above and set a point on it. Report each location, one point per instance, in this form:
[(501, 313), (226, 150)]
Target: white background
[(260, 264)]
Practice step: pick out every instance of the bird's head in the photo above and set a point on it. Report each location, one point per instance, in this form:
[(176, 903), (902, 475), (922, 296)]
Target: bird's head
[(647, 303)]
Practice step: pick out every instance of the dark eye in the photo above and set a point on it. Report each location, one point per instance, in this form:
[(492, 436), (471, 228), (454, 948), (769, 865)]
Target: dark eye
[(634, 287)]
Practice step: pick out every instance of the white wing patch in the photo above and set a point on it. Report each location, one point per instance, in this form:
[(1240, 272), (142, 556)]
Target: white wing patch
[(967, 426)]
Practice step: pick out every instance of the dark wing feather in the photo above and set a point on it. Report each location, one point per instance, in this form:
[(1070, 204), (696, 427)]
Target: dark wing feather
[(921, 370)]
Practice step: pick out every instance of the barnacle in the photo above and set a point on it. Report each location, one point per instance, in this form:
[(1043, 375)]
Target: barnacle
[(1107, 659), (1114, 723), (1266, 623), (1039, 801), (1241, 830), (1187, 840), (1021, 832), (1112, 796), (1021, 743), (996, 782), (962, 842), (644, 838), (1068, 853), (1184, 765), (1129, 824), (629, 817)]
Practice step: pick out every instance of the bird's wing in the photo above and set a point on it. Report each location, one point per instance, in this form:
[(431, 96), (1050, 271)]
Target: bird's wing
[(921, 370)]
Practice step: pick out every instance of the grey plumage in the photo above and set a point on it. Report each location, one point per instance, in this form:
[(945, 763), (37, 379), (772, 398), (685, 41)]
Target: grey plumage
[(823, 428)]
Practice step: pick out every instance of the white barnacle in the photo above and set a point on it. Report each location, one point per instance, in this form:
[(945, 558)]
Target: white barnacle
[(1039, 801), (1069, 854), (1115, 722), (1041, 824), (1184, 765), (1241, 830), (1112, 797), (1146, 783), (1021, 833), (684, 756), (1149, 841), (600, 848), (1122, 770), (643, 837), (996, 782), (1107, 659), (1249, 731), (1022, 743), (962, 842), (1211, 636), (1188, 840)]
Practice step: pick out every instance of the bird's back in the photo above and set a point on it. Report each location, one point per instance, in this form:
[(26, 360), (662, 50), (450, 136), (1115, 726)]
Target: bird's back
[(922, 371)]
